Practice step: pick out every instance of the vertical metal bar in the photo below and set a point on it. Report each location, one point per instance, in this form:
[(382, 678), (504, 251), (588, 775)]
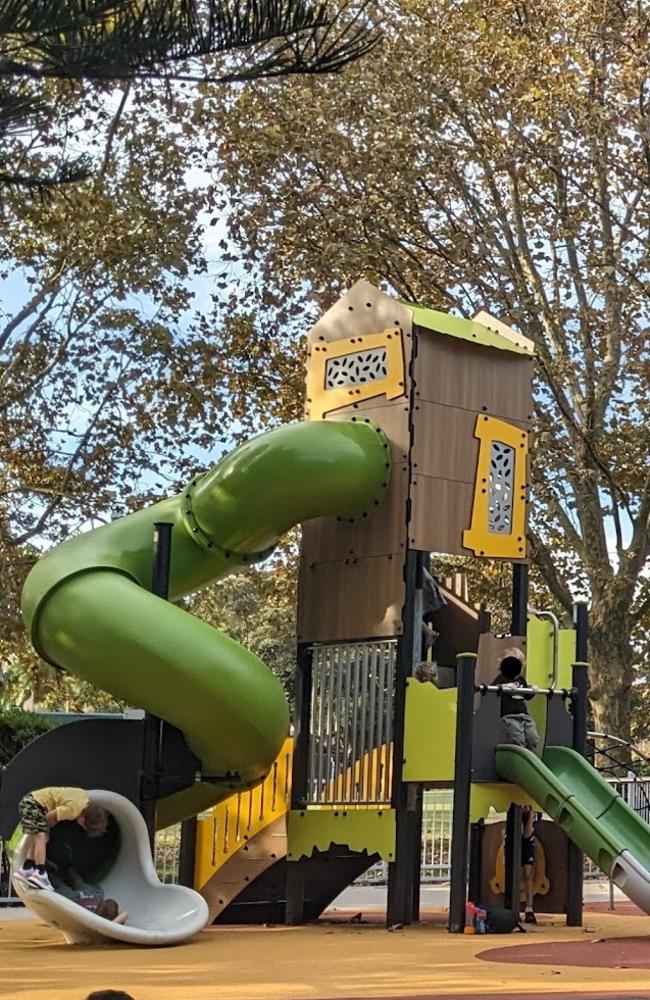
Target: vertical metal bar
[(513, 858), (152, 728), (338, 775), (346, 712), (320, 669), (313, 740), (302, 768), (328, 791), (581, 626), (363, 763), (187, 855), (390, 738), (519, 617), (372, 743), (462, 787), (404, 795), (355, 766), (575, 858), (380, 794)]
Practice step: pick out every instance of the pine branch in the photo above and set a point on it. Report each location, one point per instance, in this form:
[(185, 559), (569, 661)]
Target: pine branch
[(125, 40)]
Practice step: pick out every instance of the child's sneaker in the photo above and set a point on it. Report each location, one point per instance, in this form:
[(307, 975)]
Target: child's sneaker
[(22, 875), (38, 880), (529, 917)]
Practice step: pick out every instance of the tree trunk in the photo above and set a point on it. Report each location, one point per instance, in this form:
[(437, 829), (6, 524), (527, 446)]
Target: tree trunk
[(610, 666)]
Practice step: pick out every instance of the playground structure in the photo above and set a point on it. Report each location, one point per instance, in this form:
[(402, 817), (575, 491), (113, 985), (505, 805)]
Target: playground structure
[(415, 443)]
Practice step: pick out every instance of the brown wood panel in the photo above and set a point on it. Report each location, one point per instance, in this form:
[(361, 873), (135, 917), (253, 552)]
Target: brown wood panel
[(490, 652), (441, 509), (325, 539), (363, 309), (392, 417), (351, 599), (459, 626), (455, 373), (551, 866), (444, 445)]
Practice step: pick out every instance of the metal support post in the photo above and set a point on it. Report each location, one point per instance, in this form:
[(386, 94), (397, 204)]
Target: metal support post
[(513, 858), (575, 860), (404, 796), (295, 879), (462, 789), (187, 859), (475, 859), (152, 731), (295, 906), (519, 618)]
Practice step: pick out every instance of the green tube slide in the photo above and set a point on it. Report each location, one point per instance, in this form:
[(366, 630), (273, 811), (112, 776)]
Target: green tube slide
[(90, 610), (588, 809)]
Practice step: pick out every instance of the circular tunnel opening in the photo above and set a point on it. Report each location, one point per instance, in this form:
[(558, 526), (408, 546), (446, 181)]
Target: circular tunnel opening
[(75, 858)]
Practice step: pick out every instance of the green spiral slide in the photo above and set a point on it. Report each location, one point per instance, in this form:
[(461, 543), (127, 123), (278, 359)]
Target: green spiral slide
[(90, 610)]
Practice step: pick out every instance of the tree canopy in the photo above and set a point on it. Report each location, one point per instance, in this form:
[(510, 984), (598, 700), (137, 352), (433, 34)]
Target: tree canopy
[(487, 155), (111, 41), (110, 393)]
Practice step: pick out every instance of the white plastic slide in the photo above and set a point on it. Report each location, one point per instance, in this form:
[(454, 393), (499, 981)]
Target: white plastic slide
[(158, 914)]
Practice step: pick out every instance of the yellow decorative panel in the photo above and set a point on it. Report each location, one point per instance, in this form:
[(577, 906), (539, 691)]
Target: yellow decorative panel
[(342, 372), (498, 526), (238, 818)]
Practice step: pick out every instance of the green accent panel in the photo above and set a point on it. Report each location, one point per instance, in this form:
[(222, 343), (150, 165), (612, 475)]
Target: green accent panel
[(463, 329), (371, 830), (539, 663), (90, 610), (429, 732), (580, 801), (496, 796)]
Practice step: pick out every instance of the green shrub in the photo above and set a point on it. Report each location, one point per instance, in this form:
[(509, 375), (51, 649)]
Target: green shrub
[(17, 729)]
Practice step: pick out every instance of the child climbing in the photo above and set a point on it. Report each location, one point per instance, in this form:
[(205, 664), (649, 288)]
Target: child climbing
[(517, 727), (42, 809)]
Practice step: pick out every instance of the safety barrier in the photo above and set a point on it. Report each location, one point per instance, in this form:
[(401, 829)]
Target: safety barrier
[(351, 723)]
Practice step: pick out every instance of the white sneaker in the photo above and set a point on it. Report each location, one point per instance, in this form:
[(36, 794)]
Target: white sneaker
[(22, 875), (38, 880)]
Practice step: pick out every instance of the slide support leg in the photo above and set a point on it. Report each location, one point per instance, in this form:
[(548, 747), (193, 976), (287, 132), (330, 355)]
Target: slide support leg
[(462, 791)]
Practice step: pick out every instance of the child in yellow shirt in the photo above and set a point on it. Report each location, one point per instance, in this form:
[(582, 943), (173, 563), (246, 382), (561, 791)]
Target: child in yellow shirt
[(44, 808)]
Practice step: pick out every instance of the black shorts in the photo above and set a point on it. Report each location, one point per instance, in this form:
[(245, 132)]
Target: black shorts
[(528, 850)]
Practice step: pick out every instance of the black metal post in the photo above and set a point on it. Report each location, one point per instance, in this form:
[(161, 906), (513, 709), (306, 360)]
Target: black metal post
[(187, 859), (295, 906), (519, 619), (295, 880), (575, 860), (302, 709), (417, 853), (476, 860), (581, 626), (462, 788), (513, 858), (399, 908), (152, 733)]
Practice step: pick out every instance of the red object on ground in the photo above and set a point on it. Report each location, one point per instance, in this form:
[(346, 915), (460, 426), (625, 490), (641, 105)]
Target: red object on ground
[(606, 953)]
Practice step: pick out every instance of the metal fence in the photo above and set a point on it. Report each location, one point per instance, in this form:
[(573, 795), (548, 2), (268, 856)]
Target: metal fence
[(351, 723), (436, 840)]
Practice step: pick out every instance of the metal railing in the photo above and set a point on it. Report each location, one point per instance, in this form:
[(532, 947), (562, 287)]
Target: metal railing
[(436, 840), (351, 723)]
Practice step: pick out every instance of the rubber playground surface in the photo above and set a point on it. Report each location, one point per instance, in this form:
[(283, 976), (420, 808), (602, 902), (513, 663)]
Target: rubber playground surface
[(341, 960)]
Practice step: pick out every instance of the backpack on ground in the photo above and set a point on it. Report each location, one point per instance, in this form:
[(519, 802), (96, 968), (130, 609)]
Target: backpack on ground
[(499, 921)]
